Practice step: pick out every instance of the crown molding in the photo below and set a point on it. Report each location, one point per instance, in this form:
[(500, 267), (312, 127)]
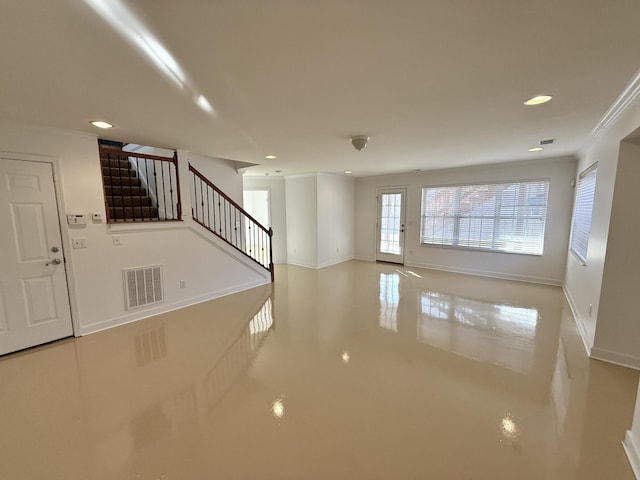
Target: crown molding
[(617, 108)]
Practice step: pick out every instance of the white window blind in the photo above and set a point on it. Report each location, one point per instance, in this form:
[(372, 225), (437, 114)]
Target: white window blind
[(504, 217), (582, 211)]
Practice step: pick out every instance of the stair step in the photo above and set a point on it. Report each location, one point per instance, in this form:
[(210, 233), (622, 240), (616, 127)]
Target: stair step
[(126, 181), (114, 162), (113, 156), (118, 172), (123, 201), (126, 191), (133, 213)]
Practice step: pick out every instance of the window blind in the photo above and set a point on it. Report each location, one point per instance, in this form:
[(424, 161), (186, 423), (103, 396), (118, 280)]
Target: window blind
[(582, 212), (504, 217)]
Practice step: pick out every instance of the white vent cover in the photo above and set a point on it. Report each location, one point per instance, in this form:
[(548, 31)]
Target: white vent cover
[(143, 286)]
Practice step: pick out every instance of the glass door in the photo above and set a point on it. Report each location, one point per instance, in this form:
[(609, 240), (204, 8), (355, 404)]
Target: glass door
[(391, 221)]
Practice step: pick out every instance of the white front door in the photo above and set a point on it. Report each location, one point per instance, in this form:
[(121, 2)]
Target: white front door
[(390, 241), (34, 302)]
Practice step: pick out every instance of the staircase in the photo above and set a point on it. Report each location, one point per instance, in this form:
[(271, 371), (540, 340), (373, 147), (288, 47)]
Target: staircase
[(126, 198), (139, 187)]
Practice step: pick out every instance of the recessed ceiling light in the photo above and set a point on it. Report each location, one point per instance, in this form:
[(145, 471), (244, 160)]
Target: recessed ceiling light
[(348, 171), (270, 157), (536, 149), (538, 99), (101, 124)]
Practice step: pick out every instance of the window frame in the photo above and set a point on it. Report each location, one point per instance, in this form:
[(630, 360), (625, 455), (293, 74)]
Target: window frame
[(572, 248), (457, 217)]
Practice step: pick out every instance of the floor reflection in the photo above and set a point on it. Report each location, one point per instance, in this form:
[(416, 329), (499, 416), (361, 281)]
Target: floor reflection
[(238, 356), (321, 377), (500, 334), (389, 288)]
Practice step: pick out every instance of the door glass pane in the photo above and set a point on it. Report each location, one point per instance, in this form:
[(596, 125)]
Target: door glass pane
[(390, 222)]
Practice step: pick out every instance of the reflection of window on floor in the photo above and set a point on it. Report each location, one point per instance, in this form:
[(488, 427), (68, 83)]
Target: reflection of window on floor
[(499, 334), (389, 297)]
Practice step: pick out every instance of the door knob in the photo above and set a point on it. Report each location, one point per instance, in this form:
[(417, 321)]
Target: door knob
[(55, 261), (55, 249)]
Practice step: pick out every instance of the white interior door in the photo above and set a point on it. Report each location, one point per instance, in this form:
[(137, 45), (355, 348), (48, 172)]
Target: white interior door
[(391, 221), (34, 302)]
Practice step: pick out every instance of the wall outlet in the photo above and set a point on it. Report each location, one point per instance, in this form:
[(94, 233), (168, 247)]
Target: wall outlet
[(183, 284), (79, 242), (116, 240), (96, 217)]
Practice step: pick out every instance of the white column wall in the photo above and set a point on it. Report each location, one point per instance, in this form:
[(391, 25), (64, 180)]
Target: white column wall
[(302, 220), (336, 213)]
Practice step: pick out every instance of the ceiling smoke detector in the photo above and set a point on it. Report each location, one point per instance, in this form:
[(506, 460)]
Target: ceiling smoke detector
[(359, 141)]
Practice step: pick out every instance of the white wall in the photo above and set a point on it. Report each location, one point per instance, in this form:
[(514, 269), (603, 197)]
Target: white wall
[(222, 173), (618, 329), (302, 220), (632, 439), (320, 217), (548, 268), (276, 187), (95, 273), (336, 213), (611, 331)]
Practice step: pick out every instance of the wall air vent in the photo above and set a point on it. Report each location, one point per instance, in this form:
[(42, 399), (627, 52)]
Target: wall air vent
[(548, 141), (143, 286)]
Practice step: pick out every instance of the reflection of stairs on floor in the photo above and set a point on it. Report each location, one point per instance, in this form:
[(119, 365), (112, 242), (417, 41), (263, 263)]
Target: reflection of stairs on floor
[(126, 198)]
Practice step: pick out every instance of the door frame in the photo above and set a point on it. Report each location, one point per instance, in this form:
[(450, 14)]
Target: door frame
[(379, 191), (54, 162)]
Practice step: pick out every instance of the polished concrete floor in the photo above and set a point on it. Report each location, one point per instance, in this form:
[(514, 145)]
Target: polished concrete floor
[(358, 371)]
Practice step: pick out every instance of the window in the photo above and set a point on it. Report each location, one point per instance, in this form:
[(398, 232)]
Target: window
[(503, 217), (582, 212)]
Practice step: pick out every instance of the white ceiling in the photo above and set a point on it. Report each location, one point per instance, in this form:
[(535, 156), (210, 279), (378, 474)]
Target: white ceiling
[(435, 83)]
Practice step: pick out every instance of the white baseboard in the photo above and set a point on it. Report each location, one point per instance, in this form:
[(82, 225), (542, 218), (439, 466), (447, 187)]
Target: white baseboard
[(487, 273), (335, 262), (624, 360), (364, 259), (167, 307), (582, 330), (302, 264), (633, 454)]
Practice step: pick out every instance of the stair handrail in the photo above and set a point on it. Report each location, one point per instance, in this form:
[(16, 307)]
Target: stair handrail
[(267, 231)]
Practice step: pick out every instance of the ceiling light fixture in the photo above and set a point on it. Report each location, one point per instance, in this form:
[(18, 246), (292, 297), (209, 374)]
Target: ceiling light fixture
[(270, 157), (538, 99), (348, 171), (101, 124), (359, 141), (536, 149)]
